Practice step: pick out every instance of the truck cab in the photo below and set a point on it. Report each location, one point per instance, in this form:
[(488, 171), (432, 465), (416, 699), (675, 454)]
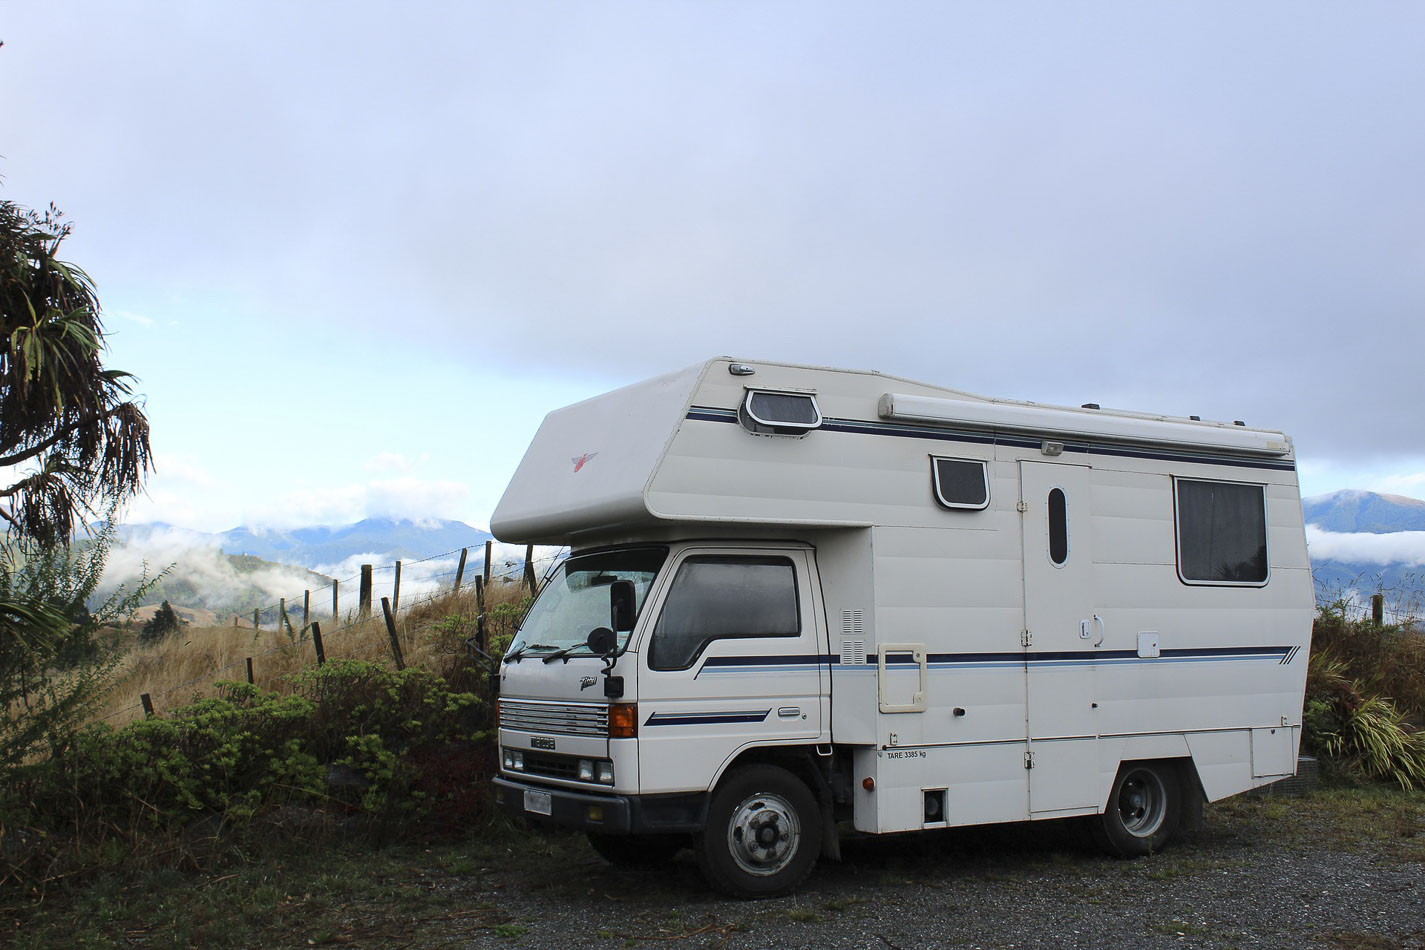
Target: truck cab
[(644, 672)]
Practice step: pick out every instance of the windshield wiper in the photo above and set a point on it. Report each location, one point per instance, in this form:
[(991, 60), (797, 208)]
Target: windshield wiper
[(519, 654), (564, 653)]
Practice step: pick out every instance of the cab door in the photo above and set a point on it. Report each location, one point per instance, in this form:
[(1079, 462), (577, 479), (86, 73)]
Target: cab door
[(736, 656)]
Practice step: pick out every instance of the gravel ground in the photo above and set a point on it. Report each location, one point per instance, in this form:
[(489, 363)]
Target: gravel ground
[(1316, 872)]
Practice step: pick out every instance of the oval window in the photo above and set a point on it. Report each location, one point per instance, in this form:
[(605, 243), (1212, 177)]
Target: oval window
[(1058, 526)]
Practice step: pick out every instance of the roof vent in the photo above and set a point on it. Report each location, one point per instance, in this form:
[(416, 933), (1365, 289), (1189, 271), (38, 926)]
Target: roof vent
[(1090, 405)]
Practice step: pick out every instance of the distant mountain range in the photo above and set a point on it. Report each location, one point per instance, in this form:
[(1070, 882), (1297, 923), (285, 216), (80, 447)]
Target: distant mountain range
[(1366, 541), (384, 539), (1351, 511), (235, 571)]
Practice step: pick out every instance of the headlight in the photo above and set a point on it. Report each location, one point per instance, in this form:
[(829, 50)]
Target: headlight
[(586, 770), (606, 773), (514, 760)]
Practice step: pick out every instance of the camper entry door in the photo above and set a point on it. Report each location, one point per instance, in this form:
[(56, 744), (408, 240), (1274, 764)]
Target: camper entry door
[(1066, 631)]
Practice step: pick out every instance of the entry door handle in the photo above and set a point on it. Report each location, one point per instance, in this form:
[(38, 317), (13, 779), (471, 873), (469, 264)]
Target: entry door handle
[(1102, 631)]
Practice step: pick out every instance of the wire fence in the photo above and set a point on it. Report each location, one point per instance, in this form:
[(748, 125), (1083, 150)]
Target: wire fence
[(444, 575), (1365, 601)]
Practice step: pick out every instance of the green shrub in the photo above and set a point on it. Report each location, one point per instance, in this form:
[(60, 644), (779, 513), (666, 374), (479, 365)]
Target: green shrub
[(1351, 727), (249, 750), (161, 624)]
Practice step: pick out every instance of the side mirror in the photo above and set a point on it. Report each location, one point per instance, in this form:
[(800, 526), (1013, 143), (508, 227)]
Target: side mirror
[(623, 605), (602, 641)]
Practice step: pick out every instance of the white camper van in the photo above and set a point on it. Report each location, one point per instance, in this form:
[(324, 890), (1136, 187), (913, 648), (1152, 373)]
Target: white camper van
[(798, 596)]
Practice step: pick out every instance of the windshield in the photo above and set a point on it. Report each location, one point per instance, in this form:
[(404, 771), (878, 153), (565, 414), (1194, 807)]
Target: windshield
[(578, 598)]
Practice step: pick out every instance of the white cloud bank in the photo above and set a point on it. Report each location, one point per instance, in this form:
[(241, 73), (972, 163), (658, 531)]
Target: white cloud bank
[(1397, 547), (192, 559)]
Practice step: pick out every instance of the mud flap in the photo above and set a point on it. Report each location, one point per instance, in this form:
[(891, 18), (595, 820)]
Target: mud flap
[(830, 837)]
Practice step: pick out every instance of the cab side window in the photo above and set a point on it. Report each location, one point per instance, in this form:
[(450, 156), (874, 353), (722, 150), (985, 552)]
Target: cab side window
[(720, 597)]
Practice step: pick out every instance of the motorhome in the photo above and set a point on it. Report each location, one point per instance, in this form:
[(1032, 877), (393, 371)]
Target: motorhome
[(799, 597)]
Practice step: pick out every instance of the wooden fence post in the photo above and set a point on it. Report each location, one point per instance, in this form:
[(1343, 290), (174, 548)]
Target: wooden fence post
[(1378, 609), (396, 590), (460, 569), (249, 671), (391, 632), (255, 621), (336, 609), (488, 545), (317, 642), (147, 701), (529, 577), (282, 615), (306, 607), (480, 637), (363, 596)]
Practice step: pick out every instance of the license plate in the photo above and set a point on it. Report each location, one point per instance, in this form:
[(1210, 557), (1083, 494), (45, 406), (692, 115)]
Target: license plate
[(540, 803)]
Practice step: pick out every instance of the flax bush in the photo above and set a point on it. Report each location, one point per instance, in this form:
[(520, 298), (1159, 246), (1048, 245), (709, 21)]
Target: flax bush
[(1350, 722)]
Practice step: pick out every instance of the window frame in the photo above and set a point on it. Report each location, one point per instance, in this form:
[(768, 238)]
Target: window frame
[(717, 557), (762, 426), (1178, 533), (940, 495)]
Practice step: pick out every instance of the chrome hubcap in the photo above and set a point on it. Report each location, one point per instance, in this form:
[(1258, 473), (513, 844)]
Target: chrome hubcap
[(763, 835), (1141, 803)]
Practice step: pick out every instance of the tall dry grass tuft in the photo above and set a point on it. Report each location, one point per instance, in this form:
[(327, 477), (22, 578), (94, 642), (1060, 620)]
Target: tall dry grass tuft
[(1388, 660), (188, 665), (1365, 697)]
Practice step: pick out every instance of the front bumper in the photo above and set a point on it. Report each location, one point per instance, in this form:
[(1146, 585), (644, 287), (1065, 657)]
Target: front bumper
[(609, 814)]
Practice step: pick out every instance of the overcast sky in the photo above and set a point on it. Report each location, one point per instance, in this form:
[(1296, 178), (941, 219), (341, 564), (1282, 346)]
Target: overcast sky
[(355, 251)]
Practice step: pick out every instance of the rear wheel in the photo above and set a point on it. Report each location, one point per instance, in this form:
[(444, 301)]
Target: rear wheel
[(636, 851), (763, 833), (1143, 810)]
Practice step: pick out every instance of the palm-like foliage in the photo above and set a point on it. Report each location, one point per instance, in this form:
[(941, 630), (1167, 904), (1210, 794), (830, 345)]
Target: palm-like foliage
[(70, 440), (65, 420)]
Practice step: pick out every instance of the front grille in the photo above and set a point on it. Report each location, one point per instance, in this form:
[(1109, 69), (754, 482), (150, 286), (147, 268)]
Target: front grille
[(552, 766), (555, 719)]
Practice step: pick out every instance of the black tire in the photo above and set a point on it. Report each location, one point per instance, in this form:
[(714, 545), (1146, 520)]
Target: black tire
[(763, 833), (636, 851), (1143, 810)]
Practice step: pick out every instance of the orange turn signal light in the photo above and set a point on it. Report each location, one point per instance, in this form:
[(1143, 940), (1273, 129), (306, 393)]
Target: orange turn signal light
[(623, 720)]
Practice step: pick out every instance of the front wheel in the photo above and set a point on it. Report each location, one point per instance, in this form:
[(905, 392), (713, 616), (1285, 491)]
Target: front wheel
[(763, 833), (1143, 810)]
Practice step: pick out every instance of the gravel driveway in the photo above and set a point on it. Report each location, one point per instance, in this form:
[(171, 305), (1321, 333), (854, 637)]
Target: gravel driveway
[(1335, 871)]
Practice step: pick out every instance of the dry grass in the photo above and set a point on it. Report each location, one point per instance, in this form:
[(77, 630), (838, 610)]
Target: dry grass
[(187, 665)]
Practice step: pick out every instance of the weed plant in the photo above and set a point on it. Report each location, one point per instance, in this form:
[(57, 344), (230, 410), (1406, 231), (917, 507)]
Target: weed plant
[(1365, 698)]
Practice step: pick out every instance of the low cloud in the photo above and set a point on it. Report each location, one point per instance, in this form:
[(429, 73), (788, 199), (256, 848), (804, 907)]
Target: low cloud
[(199, 574), (1397, 547)]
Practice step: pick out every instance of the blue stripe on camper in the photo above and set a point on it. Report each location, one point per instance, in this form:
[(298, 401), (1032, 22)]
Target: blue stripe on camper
[(912, 431), (706, 718), (955, 661), (805, 663), (798, 663)]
